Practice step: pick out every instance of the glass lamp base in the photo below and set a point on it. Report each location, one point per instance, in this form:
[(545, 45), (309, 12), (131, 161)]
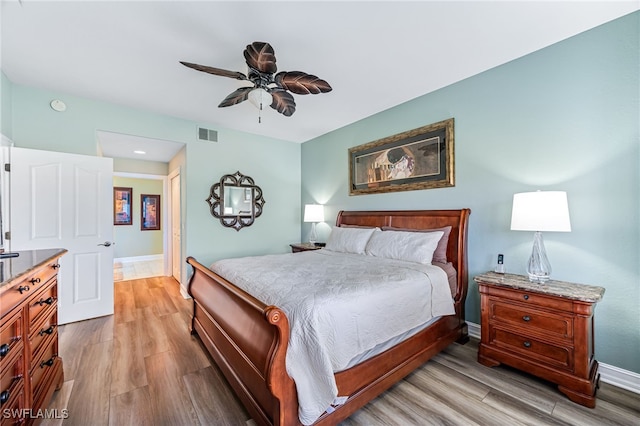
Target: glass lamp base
[(313, 236), (539, 268)]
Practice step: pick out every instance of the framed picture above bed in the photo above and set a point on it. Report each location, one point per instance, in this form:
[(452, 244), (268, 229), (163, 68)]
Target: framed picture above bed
[(421, 158)]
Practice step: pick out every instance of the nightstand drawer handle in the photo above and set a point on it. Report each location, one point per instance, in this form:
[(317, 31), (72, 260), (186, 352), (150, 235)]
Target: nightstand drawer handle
[(4, 396), (4, 350), (527, 344), (526, 318), (526, 297)]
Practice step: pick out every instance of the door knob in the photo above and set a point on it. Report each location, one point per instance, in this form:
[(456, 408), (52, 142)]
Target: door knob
[(106, 244)]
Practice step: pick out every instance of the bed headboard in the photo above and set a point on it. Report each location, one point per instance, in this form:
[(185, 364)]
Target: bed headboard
[(422, 219)]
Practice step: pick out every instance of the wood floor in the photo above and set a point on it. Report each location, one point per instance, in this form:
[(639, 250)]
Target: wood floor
[(142, 367)]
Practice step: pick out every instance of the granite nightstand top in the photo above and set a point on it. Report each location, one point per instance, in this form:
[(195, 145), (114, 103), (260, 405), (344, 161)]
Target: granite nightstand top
[(582, 292)]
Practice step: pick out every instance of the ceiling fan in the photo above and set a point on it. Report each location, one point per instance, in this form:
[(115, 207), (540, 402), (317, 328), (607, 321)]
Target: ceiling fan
[(268, 87)]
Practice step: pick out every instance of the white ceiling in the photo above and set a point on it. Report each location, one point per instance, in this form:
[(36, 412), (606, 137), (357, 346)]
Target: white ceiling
[(375, 54)]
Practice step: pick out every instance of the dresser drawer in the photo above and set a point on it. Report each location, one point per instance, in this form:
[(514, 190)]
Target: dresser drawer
[(558, 357), (39, 305), (11, 413), (11, 381), (13, 296), (43, 366), (528, 319), (11, 338), (42, 331)]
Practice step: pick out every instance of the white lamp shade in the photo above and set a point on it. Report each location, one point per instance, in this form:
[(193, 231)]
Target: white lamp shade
[(314, 213), (260, 98), (540, 211)]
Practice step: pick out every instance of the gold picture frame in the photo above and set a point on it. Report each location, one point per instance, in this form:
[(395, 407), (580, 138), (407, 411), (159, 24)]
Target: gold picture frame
[(421, 158)]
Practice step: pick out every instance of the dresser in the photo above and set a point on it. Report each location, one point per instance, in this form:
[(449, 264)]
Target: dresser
[(545, 329), (30, 368)]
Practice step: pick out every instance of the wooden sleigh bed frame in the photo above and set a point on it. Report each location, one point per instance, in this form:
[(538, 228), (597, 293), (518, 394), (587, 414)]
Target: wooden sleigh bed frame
[(248, 339)]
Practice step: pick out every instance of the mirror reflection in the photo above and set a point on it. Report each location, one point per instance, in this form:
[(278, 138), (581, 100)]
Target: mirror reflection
[(238, 201)]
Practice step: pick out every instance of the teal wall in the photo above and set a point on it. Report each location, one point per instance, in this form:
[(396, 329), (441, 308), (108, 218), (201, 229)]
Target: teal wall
[(563, 118), (273, 163), (130, 240), (5, 106)]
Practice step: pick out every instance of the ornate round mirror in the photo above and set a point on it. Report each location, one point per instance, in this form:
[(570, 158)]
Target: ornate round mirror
[(236, 200)]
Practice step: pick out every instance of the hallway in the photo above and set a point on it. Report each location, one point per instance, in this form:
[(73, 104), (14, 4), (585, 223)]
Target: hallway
[(124, 271)]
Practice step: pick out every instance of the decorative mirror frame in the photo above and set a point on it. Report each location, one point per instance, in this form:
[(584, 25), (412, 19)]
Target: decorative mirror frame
[(216, 201)]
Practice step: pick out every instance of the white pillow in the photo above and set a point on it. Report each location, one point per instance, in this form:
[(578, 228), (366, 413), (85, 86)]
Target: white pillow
[(409, 246), (349, 240)]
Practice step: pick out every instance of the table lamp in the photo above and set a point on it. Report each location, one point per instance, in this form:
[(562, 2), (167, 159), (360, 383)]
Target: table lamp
[(540, 211), (313, 213)]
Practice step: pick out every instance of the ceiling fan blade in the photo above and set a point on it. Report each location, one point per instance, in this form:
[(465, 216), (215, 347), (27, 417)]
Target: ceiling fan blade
[(283, 102), (301, 83), (260, 56), (216, 71), (239, 95)]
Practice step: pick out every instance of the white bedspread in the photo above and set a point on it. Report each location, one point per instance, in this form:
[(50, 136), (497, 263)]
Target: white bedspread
[(338, 305)]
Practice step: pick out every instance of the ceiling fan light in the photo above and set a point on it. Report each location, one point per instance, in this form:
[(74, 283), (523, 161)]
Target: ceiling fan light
[(260, 98)]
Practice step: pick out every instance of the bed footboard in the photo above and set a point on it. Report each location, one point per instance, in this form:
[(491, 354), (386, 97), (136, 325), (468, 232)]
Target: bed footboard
[(248, 341)]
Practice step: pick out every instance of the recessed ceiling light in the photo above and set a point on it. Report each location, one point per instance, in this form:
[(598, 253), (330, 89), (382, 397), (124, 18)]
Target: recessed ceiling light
[(139, 152)]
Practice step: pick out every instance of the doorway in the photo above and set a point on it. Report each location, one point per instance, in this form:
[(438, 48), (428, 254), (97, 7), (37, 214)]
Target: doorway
[(145, 253)]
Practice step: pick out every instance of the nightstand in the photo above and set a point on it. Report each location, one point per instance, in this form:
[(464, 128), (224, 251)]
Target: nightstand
[(296, 248), (545, 329)]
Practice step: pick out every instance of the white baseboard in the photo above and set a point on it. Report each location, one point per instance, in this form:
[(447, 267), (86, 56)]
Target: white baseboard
[(615, 376), (147, 258), (184, 293)]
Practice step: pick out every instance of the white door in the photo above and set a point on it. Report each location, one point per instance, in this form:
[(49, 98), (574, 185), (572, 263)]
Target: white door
[(175, 228), (66, 200)]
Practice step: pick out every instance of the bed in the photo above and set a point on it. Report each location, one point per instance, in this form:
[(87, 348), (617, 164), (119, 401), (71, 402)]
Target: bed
[(248, 339)]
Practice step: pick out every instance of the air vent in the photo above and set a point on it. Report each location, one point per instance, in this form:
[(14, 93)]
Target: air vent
[(207, 135)]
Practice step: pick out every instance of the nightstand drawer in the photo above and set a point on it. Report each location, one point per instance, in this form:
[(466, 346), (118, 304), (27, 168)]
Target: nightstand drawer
[(555, 356), (529, 319), (531, 298)]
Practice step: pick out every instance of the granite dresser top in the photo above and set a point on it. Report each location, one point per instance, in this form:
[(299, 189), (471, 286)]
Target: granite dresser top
[(567, 290), (13, 268)]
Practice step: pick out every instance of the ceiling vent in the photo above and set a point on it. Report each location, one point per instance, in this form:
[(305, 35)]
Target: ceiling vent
[(207, 135)]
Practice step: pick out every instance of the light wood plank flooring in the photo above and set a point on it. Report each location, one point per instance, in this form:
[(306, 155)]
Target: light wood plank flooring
[(141, 366)]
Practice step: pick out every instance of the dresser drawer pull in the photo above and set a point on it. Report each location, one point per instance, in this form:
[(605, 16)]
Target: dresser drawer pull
[(4, 396), (526, 318), (4, 350), (49, 362), (527, 344), (47, 330), (48, 301), (526, 297), (55, 265), (23, 288), (34, 280)]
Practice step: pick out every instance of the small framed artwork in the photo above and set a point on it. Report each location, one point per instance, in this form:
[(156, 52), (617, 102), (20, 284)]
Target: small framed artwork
[(421, 158), (149, 212), (122, 205)]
